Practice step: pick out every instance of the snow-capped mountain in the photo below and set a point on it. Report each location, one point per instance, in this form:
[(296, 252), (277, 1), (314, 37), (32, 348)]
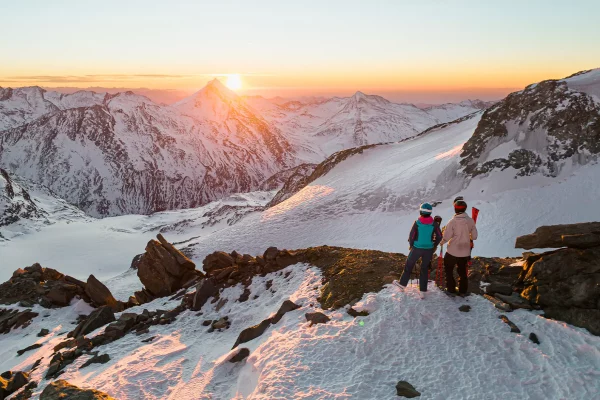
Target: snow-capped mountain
[(542, 129), (21, 105), (129, 155), (320, 127), (26, 207)]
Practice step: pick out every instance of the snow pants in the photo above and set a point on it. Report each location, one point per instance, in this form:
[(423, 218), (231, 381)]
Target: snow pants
[(463, 282), (425, 255)]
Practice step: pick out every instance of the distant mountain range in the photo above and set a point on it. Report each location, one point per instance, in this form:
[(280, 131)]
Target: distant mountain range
[(113, 154)]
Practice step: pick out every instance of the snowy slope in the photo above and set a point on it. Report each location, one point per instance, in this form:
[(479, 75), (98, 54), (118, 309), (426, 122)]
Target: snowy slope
[(21, 105), (444, 353), (105, 247)]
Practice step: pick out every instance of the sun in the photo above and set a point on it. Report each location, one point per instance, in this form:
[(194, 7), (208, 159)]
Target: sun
[(234, 82)]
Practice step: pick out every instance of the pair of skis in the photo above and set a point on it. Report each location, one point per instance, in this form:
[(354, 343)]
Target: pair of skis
[(440, 270)]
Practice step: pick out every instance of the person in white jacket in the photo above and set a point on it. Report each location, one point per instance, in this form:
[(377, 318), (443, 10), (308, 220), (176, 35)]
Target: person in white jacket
[(459, 233)]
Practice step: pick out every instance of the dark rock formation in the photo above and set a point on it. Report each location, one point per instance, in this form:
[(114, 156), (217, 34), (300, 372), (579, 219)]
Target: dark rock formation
[(582, 235), (513, 327), (45, 286), (103, 359), (62, 389), (255, 331), (101, 296), (241, 355), (405, 389), (317, 318), (464, 308), (12, 319), (352, 312), (206, 289), (99, 317), (29, 348), (163, 269), (533, 337), (43, 332), (10, 382)]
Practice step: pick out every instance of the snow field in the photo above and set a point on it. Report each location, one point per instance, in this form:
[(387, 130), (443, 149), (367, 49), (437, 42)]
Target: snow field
[(444, 353)]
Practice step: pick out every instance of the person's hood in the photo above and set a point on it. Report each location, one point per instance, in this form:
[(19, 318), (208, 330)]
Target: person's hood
[(426, 220)]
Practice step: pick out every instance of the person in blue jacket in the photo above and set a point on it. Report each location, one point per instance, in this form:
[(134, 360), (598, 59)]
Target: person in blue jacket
[(424, 237)]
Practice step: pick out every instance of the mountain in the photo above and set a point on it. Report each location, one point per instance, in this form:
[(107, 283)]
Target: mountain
[(319, 127), (21, 105), (543, 129), (26, 207), (129, 155)]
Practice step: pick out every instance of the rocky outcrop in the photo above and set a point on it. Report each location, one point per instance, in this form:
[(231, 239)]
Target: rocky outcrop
[(101, 296), (13, 319), (10, 382), (62, 389), (565, 283), (317, 318), (241, 355), (255, 331), (583, 235), (99, 317), (163, 269), (543, 127)]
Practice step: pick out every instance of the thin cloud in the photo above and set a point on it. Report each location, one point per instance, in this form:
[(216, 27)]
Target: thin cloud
[(88, 78)]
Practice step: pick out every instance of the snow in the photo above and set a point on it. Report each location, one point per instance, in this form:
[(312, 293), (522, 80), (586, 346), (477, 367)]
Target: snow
[(444, 353), (105, 247), (503, 150), (588, 82)]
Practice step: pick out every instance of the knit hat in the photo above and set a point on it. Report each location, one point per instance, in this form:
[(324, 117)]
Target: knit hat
[(460, 206), (458, 198), (426, 209)]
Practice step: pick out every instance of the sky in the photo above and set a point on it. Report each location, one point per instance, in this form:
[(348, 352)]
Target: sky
[(426, 50)]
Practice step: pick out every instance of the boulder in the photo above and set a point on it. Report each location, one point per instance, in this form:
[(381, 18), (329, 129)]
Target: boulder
[(286, 307), (100, 295), (515, 301), (405, 389), (464, 308), (533, 337), (43, 332), (352, 312), (500, 288), (62, 295), (241, 355), (251, 333), (270, 254), (584, 318), (136, 261), (582, 241), (163, 269), (99, 317), (17, 381), (12, 319), (317, 318), (62, 389), (206, 289), (103, 359), (29, 348), (499, 304), (552, 236), (217, 260)]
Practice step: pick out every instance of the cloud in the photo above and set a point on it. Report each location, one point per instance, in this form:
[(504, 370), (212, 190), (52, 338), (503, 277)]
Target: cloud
[(89, 78)]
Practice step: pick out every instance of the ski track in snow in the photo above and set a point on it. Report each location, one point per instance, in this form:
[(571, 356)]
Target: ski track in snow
[(444, 353)]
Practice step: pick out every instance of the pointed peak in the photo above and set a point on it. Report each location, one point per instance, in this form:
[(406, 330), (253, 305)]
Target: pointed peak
[(359, 95)]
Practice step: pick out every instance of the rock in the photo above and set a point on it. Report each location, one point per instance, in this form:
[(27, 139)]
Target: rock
[(500, 288), (35, 268), (221, 324), (99, 317), (284, 259), (29, 348), (552, 236), (43, 332), (217, 260), (405, 389), (222, 274), (286, 307), (62, 295), (244, 296), (103, 359), (136, 261), (355, 313), (317, 318), (261, 261), (17, 272), (583, 241), (148, 340), (464, 308), (100, 295), (585, 318), (12, 319), (240, 355), (533, 337), (26, 393), (499, 304), (206, 289), (513, 327), (163, 269), (17, 381), (270, 254), (207, 322), (515, 301), (62, 389), (251, 333)]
